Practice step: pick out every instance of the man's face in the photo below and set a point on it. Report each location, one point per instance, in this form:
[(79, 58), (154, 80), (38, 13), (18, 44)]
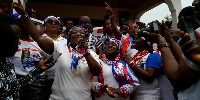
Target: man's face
[(11, 42), (69, 24), (52, 25), (85, 20)]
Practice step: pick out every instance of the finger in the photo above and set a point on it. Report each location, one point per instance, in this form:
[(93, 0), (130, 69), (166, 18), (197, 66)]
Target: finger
[(107, 4), (19, 2), (45, 56), (187, 45), (164, 25), (193, 49), (184, 39), (197, 35)]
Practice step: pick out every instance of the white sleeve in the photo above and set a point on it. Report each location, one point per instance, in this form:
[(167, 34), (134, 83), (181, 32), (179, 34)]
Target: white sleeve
[(191, 64), (122, 40), (94, 55)]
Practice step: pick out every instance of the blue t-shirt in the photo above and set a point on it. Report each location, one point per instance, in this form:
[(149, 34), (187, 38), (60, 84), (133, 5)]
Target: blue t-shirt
[(154, 60)]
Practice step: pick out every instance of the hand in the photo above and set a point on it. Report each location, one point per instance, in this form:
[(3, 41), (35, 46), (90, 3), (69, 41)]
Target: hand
[(114, 90), (127, 58), (167, 30), (82, 46), (18, 7), (190, 51), (111, 93), (108, 10), (155, 38), (43, 60)]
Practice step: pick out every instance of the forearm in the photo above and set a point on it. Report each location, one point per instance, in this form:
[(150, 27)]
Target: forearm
[(178, 74), (175, 48), (44, 43), (94, 66), (126, 90), (143, 74), (117, 33), (100, 51)]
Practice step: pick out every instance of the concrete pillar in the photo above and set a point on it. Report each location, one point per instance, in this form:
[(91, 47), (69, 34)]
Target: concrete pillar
[(23, 3), (175, 8)]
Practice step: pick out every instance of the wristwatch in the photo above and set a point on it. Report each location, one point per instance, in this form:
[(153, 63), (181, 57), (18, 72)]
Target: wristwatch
[(163, 45), (87, 53)]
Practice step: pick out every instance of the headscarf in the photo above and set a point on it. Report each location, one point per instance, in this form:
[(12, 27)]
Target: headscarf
[(83, 26), (114, 40), (51, 16), (131, 25)]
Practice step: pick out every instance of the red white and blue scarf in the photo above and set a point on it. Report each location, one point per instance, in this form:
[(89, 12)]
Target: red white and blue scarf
[(75, 64), (119, 70)]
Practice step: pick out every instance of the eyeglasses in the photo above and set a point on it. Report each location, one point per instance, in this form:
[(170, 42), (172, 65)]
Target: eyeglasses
[(50, 21)]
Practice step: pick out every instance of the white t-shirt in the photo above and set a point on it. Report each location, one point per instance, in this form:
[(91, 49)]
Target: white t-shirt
[(148, 90), (66, 85), (27, 57), (192, 93), (129, 51), (109, 79), (51, 71)]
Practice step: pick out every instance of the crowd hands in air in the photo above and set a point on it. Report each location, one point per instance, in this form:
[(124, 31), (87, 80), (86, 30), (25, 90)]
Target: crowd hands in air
[(121, 64)]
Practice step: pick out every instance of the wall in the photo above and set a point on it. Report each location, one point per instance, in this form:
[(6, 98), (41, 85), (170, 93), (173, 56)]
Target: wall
[(74, 11)]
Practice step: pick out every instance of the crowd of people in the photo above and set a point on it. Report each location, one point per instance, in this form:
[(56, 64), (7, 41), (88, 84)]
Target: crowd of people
[(123, 63)]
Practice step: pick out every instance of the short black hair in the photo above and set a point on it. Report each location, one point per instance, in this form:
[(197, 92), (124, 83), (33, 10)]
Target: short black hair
[(5, 24), (106, 17), (67, 19)]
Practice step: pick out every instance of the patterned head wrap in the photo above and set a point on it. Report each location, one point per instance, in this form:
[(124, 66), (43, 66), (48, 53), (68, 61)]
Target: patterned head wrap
[(83, 26), (114, 40), (131, 25), (51, 16)]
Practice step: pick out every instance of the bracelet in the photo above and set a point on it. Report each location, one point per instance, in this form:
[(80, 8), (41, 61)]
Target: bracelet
[(112, 16), (131, 64), (87, 53), (24, 17), (160, 46)]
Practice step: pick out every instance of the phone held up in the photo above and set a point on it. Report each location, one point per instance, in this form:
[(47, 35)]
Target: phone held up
[(52, 58)]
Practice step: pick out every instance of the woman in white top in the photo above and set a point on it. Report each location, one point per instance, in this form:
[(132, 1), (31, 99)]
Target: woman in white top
[(116, 75), (145, 64), (72, 76)]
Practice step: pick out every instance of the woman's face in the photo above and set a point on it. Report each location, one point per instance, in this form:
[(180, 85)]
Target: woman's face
[(52, 24), (132, 30), (138, 43), (26, 54), (107, 26), (111, 48), (77, 35)]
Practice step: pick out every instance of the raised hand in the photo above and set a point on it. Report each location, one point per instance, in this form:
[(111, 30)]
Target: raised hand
[(166, 30), (108, 9), (127, 58), (43, 60), (191, 52), (18, 7)]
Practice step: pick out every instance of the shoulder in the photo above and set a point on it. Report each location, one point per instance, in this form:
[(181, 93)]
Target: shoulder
[(154, 60)]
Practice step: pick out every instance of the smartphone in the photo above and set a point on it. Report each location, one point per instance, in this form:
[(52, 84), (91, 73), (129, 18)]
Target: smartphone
[(188, 28), (52, 58)]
